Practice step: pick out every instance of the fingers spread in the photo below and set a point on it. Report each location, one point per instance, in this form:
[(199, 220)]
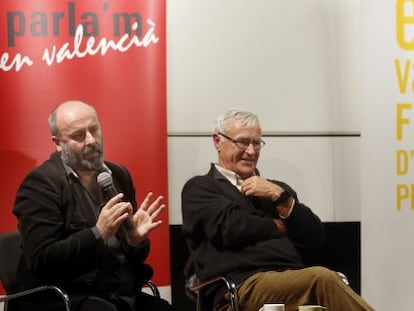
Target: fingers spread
[(144, 205)]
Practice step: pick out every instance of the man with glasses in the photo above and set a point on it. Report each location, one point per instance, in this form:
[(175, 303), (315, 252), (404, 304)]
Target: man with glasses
[(255, 230)]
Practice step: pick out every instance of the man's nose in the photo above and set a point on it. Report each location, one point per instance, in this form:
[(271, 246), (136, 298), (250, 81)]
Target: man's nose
[(89, 139), (250, 148)]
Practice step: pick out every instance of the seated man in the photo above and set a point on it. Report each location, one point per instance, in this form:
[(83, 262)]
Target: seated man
[(78, 233), (255, 230)]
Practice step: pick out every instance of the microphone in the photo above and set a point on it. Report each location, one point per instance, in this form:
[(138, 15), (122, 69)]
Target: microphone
[(104, 179)]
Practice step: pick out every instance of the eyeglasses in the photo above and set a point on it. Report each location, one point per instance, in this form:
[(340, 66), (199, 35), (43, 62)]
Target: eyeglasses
[(244, 143)]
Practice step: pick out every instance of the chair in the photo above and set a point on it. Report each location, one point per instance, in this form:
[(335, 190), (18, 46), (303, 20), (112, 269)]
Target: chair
[(197, 291), (10, 255)]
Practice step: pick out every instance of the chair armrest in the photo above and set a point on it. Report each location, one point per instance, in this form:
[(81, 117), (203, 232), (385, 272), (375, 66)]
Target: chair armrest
[(154, 288), (198, 288), (343, 277), (228, 282), (61, 293)]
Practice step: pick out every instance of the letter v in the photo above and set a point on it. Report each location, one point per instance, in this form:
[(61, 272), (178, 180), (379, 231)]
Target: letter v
[(402, 77)]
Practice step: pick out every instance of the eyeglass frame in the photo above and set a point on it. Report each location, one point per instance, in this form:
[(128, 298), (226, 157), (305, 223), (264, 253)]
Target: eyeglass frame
[(243, 145)]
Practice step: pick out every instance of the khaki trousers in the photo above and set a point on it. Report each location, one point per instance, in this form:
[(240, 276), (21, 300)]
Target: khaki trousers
[(313, 285)]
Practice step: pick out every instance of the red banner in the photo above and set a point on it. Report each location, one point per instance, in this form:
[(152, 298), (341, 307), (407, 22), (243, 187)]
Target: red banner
[(110, 54)]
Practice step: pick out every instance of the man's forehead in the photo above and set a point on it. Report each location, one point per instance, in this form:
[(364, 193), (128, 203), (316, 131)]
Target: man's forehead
[(244, 130), (74, 124)]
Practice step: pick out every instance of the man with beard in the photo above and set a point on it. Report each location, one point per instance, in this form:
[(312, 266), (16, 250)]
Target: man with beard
[(72, 236)]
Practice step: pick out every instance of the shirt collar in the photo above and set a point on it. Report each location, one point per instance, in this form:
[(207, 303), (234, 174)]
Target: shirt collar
[(231, 176)]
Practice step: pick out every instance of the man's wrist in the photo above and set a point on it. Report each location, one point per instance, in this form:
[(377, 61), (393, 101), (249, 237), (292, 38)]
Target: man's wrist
[(285, 211), (283, 198), (96, 233)]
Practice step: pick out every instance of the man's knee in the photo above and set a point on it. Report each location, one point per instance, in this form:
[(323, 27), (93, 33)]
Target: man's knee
[(322, 274)]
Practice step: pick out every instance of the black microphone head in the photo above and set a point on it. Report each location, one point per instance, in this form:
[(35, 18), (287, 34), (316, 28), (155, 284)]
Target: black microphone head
[(104, 179)]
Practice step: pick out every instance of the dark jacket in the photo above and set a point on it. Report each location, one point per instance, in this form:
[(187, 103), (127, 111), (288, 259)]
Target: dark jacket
[(58, 244), (229, 233)]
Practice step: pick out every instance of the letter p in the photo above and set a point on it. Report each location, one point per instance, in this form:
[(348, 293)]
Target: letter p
[(16, 26)]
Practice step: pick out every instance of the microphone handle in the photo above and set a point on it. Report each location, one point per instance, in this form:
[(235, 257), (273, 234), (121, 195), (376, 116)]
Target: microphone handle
[(127, 224)]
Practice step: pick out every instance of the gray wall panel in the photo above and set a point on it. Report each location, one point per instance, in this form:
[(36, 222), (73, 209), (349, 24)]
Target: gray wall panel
[(323, 170)]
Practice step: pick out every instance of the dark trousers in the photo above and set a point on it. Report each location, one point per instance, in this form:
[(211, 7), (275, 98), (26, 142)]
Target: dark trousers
[(144, 302)]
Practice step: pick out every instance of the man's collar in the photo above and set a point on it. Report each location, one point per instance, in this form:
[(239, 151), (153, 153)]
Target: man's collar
[(231, 176)]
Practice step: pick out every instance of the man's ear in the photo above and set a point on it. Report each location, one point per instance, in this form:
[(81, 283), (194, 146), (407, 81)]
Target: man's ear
[(56, 141), (216, 140)]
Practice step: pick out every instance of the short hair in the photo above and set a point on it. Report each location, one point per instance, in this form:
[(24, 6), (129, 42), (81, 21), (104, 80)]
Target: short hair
[(237, 117), (54, 130)]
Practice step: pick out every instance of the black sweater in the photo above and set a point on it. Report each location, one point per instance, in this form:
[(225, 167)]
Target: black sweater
[(59, 245), (229, 233)]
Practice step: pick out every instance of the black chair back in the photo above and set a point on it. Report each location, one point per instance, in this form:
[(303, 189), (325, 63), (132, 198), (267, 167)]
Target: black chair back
[(10, 255)]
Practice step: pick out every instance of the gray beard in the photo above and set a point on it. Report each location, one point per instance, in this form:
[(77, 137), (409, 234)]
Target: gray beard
[(76, 162)]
